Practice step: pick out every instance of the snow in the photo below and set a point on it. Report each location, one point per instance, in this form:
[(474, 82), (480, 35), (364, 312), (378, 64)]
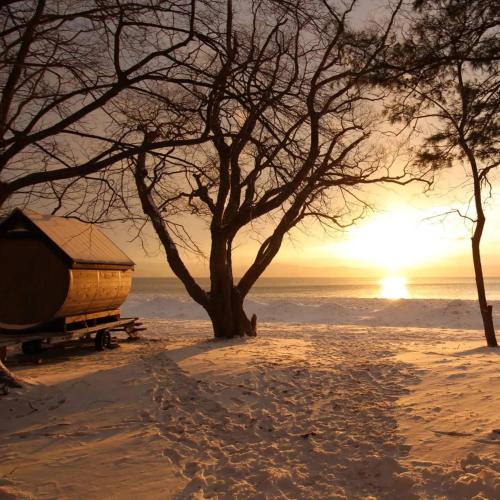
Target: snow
[(348, 398), (432, 313)]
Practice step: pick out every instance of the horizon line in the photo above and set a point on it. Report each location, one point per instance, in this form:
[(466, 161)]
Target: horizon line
[(319, 277)]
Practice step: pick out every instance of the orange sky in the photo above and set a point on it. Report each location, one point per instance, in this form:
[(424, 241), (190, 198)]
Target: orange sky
[(403, 236)]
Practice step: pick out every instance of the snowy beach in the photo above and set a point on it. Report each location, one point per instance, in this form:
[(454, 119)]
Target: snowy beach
[(350, 398)]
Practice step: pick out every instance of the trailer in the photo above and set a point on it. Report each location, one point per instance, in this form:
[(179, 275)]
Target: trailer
[(98, 329)]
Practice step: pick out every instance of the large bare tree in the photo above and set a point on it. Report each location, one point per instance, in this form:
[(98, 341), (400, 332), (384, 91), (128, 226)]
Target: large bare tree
[(289, 109), (447, 82)]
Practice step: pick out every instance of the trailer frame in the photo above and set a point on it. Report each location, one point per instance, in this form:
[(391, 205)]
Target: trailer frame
[(32, 341)]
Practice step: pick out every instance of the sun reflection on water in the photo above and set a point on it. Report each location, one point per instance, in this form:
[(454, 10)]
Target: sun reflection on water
[(393, 287)]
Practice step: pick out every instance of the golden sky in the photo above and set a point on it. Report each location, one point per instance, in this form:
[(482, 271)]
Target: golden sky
[(406, 235)]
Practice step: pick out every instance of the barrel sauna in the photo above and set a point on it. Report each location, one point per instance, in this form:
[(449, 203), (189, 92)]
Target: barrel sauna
[(55, 268)]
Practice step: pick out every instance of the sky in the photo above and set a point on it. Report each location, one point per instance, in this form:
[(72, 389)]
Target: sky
[(407, 234)]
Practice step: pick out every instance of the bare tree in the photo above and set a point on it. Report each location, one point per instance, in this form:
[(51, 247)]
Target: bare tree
[(287, 105), (446, 73), (63, 65)]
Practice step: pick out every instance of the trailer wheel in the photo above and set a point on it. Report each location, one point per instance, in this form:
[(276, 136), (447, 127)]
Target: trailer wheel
[(102, 340), (31, 347)]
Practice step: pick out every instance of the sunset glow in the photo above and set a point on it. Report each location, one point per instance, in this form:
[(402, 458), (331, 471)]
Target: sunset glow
[(396, 240), (393, 287)]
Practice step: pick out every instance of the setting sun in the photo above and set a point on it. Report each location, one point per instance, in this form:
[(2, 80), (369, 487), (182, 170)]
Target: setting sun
[(398, 239), (393, 287)]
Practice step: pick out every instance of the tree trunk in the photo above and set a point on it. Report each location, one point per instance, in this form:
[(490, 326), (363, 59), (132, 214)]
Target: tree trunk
[(486, 309), (229, 318), (225, 304)]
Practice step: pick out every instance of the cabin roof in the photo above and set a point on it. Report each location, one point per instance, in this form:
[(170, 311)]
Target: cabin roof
[(81, 242)]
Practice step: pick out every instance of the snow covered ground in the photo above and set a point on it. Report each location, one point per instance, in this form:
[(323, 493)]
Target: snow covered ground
[(433, 313), (347, 399)]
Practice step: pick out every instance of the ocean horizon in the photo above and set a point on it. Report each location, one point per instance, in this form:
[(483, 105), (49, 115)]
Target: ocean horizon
[(460, 288)]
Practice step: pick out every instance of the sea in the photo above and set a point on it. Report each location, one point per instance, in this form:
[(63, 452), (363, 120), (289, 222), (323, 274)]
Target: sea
[(327, 288)]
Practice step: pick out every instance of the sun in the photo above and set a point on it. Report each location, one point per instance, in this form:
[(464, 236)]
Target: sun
[(394, 241), (393, 287)]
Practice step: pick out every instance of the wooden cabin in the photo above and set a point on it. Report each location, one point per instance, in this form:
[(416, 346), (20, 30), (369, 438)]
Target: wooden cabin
[(56, 269)]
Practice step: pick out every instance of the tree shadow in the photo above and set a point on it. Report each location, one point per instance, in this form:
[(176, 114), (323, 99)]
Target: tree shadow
[(490, 351), (204, 346)]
